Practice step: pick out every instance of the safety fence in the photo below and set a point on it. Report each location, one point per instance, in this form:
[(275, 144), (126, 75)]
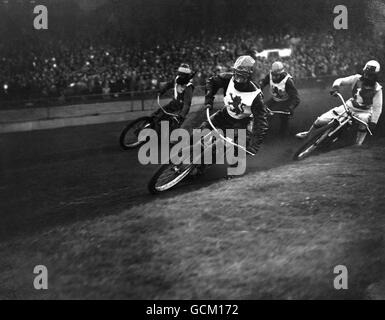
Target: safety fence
[(138, 100)]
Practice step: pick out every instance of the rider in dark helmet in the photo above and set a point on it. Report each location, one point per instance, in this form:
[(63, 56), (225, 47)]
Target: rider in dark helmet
[(184, 74), (183, 89), (243, 100)]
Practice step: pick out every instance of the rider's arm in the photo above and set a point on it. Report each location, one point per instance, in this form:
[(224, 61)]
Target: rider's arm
[(166, 87), (260, 123), (292, 91), (265, 81), (377, 106), (188, 95), (348, 81), (213, 84)]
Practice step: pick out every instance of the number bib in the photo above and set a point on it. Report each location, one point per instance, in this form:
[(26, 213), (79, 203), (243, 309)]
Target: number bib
[(278, 90), (237, 103)]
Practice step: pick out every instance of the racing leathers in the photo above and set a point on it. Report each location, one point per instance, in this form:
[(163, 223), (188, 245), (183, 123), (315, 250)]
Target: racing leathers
[(181, 99), (366, 105), (241, 101), (284, 97)]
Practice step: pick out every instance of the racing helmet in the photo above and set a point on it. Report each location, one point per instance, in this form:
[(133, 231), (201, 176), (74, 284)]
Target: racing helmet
[(371, 70), (277, 71), (184, 69), (184, 74), (243, 69)]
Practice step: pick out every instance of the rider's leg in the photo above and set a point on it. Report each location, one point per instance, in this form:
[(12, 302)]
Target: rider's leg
[(217, 119), (174, 107), (222, 121), (361, 132), (239, 161), (322, 121), (361, 135), (283, 119), (159, 115), (284, 125), (242, 124), (156, 117)]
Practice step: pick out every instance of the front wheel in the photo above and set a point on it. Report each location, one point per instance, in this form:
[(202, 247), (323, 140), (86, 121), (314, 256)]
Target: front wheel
[(320, 138), (129, 137), (171, 174), (168, 176)]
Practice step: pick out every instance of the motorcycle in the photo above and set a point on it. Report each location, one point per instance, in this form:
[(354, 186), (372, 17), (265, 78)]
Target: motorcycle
[(170, 175), (330, 133)]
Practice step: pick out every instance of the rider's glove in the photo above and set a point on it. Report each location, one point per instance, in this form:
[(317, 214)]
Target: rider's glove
[(291, 110), (270, 112), (372, 126), (334, 91), (180, 118)]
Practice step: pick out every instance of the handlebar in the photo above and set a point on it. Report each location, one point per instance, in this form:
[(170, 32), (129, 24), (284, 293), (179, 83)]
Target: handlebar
[(175, 116), (228, 140), (271, 112), (339, 95), (350, 113)]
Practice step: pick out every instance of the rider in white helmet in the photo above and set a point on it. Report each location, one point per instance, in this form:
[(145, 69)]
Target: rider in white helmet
[(366, 103), (284, 95)]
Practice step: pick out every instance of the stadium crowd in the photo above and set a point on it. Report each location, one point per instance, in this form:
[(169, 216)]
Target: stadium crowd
[(55, 68)]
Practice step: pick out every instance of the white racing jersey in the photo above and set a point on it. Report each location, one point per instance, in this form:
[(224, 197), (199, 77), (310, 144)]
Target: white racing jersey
[(364, 98), (278, 90), (237, 103)]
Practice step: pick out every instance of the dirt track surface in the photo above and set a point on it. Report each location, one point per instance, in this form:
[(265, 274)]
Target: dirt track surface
[(71, 200), (51, 177)]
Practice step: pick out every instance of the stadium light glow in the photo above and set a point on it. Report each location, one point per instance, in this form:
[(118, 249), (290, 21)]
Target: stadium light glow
[(286, 52)]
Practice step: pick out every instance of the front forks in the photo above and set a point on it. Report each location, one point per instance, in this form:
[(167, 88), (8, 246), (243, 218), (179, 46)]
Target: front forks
[(341, 124)]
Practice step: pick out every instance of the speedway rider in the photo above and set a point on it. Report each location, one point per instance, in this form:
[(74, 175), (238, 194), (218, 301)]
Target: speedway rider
[(242, 98), (284, 95), (183, 89), (366, 103)]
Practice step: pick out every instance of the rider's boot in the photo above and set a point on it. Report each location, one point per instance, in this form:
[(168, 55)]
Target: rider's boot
[(361, 135), (305, 134)]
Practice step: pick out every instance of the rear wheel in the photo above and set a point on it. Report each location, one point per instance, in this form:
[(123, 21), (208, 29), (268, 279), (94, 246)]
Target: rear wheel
[(319, 139), (129, 137)]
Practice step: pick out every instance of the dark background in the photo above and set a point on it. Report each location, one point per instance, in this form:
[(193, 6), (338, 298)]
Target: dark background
[(143, 20), (108, 49)]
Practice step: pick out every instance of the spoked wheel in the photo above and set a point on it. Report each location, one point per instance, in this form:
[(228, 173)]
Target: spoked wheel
[(168, 176), (320, 138), (129, 137)]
